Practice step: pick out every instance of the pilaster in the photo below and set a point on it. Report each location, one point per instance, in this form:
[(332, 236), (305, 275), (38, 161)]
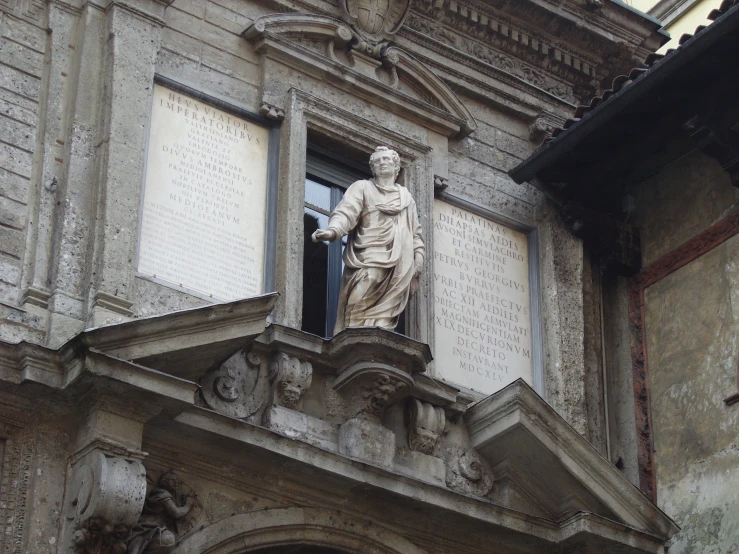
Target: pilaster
[(133, 38)]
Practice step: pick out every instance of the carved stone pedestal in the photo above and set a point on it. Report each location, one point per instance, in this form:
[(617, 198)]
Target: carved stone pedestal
[(367, 440), (368, 388), (421, 466)]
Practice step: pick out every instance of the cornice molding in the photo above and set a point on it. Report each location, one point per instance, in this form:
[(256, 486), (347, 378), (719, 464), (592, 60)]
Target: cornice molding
[(478, 55), (496, 40), (497, 30), (518, 409)]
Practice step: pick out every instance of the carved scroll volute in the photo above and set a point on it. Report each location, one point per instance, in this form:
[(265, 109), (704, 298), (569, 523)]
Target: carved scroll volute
[(425, 425), (468, 473), (292, 379), (106, 498), (240, 388)]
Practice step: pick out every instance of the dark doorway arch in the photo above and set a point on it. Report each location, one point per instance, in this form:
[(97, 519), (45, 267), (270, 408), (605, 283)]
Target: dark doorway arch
[(278, 530), (300, 549)]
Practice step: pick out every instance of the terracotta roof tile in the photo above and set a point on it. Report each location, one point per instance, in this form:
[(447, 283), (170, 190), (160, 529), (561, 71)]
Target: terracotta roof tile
[(623, 81)]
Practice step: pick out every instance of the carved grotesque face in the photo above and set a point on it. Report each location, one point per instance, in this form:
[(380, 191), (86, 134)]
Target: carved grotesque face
[(290, 395), (423, 440), (385, 163)]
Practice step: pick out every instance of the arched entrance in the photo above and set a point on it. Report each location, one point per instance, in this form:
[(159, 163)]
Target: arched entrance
[(299, 549), (294, 531)]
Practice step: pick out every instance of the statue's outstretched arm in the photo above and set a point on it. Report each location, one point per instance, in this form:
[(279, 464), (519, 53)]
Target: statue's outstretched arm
[(345, 216)]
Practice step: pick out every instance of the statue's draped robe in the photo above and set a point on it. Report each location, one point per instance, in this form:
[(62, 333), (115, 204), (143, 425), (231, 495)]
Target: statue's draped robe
[(384, 235)]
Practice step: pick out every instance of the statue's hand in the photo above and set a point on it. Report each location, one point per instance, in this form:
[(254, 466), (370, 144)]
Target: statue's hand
[(324, 234), (415, 284), (418, 266)]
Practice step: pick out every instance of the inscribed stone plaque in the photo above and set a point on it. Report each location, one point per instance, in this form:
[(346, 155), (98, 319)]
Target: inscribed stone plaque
[(481, 301), (205, 199)]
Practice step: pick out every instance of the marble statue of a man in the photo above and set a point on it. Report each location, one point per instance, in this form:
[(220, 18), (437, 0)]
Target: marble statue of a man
[(384, 252)]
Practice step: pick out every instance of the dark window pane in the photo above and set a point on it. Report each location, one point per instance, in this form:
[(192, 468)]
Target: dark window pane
[(400, 327), (318, 195), (315, 272)]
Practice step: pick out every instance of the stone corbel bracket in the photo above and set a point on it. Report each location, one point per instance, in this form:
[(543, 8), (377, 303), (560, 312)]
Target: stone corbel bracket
[(272, 112), (341, 60), (426, 424), (370, 387), (376, 369), (543, 125), (440, 183), (292, 378), (105, 500), (718, 139)]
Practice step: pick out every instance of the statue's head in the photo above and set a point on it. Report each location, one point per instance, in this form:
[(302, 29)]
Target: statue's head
[(385, 162), (169, 481)]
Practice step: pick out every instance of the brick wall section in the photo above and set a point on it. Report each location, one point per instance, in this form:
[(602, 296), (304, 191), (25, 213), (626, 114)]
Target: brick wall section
[(22, 46)]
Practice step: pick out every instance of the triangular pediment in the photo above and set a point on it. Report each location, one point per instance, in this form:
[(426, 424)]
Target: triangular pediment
[(385, 75), (550, 467)]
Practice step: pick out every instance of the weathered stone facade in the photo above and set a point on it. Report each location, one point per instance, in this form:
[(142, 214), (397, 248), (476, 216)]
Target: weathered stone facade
[(278, 437)]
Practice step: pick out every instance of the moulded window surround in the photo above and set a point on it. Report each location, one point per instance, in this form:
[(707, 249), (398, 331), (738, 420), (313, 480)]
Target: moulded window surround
[(308, 120), (328, 175)]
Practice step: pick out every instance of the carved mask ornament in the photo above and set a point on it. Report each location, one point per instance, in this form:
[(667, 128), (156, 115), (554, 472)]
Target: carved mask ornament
[(373, 19)]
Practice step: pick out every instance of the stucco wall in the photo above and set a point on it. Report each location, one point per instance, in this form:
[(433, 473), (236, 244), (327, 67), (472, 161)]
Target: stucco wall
[(692, 356), (681, 201), (691, 320)]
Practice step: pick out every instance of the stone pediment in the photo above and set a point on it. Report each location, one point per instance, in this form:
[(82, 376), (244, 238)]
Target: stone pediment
[(544, 463), (385, 75)]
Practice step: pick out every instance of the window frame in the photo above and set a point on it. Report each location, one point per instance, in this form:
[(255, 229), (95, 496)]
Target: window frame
[(329, 169), (274, 128)]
